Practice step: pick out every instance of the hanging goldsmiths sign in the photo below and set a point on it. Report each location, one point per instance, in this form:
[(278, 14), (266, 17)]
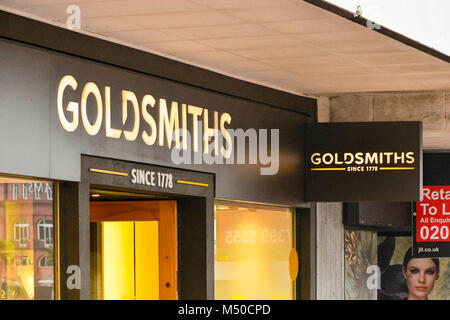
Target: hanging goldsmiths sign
[(363, 161)]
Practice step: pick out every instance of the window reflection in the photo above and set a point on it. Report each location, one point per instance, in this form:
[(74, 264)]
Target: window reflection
[(45, 231), (22, 233), (252, 248), (26, 240)]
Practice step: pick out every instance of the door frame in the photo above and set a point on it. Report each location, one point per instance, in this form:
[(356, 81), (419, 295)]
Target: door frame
[(194, 193)]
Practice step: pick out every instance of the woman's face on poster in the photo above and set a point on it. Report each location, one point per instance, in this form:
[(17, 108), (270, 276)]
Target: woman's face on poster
[(420, 275)]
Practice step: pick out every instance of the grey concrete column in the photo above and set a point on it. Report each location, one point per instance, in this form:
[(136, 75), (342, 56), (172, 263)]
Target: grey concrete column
[(329, 251), (323, 109)]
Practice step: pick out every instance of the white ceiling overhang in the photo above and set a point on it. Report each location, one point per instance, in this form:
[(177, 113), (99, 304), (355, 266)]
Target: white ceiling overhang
[(290, 45)]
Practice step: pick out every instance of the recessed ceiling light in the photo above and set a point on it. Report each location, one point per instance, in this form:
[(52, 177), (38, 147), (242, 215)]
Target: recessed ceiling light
[(95, 195)]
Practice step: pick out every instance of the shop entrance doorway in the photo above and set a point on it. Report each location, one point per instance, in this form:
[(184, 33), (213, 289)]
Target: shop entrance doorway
[(152, 241), (133, 247)]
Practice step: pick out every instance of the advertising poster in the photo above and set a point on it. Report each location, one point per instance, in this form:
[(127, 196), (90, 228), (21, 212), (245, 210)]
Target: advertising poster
[(360, 258), (425, 278), (431, 226)]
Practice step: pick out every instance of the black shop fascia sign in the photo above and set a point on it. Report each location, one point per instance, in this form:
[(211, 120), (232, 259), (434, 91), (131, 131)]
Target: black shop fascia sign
[(363, 161)]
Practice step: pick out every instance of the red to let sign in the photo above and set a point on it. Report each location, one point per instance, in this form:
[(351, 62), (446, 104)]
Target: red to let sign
[(433, 215)]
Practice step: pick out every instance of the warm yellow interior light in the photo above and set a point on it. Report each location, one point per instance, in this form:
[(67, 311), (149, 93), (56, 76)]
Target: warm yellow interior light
[(252, 251), (118, 260), (147, 260), (130, 260)]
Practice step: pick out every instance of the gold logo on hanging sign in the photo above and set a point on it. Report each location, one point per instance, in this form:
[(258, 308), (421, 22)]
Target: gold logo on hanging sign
[(363, 161)]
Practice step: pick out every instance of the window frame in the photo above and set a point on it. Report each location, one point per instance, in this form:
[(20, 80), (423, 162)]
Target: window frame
[(44, 258), (48, 237), (22, 232)]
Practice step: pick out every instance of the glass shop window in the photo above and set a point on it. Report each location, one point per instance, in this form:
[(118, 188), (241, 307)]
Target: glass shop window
[(254, 247), (26, 239)]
